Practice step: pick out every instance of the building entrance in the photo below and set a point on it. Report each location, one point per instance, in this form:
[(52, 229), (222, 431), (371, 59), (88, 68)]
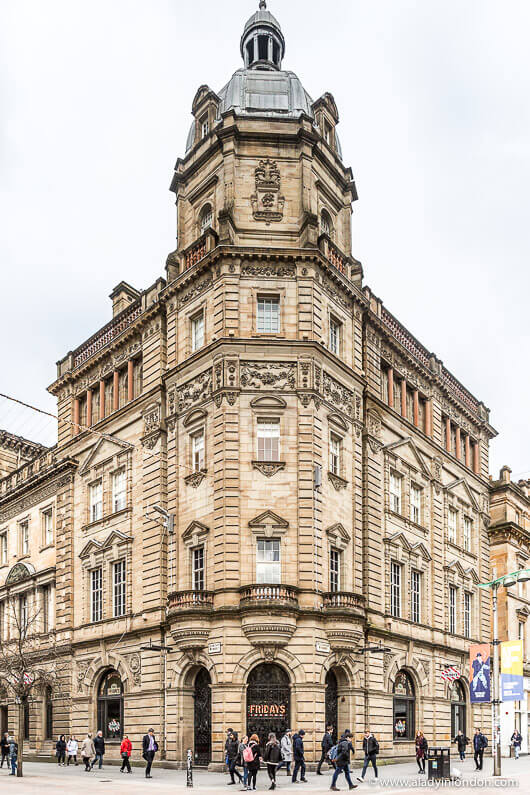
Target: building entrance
[(203, 718), (268, 702), (332, 703)]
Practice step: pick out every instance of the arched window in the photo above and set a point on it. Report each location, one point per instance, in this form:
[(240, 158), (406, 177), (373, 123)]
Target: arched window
[(48, 714), (203, 717), (268, 701), (404, 707), (326, 224), (110, 706), (206, 217), (458, 709)]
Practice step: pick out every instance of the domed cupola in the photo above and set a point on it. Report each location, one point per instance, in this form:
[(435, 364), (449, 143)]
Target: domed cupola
[(262, 42)]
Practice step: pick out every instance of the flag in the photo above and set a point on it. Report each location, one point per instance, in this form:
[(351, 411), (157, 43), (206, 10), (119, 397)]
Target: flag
[(479, 674), (512, 670), (450, 674)]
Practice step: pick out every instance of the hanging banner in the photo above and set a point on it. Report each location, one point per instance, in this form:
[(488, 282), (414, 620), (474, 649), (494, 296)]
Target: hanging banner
[(479, 673), (512, 688)]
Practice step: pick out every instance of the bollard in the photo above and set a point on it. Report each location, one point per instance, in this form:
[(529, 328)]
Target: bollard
[(189, 772)]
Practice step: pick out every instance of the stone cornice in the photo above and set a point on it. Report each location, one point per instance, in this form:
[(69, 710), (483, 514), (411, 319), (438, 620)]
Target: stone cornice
[(508, 531)]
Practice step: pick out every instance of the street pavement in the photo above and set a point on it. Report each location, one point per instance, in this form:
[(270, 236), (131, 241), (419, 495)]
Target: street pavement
[(41, 778)]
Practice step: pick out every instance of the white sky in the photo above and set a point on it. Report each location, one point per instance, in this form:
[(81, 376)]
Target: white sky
[(95, 102)]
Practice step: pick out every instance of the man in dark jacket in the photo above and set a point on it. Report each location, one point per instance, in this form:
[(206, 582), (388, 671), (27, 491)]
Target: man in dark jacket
[(232, 753), (150, 747), (326, 744), (344, 749), (299, 758), (371, 749), (461, 741), (479, 744), (4, 748), (99, 747), (516, 741)]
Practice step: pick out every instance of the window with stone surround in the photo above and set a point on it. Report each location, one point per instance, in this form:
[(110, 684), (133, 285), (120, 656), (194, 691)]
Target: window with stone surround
[(206, 218), (335, 557), (415, 596), (451, 525), (23, 537), (197, 450), (415, 503), (326, 224), (335, 454), (198, 569), (118, 587), (3, 548), (268, 561), (395, 589), (466, 532), (335, 334), (268, 315), (96, 594), (119, 490), (197, 331), (204, 125), (47, 526), (468, 605), (452, 609), (95, 501), (268, 438), (396, 484)]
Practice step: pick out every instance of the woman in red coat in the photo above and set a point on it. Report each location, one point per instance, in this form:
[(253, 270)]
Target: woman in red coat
[(125, 750)]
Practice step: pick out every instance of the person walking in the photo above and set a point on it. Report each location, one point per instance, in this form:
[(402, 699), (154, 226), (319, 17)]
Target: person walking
[(4, 748), (371, 749), (299, 756), (232, 754), (87, 752), (243, 745), (461, 741), (342, 762), (479, 744), (253, 764), (150, 747), (516, 741), (286, 748), (272, 757), (422, 747), (125, 752), (99, 750), (60, 750), (72, 747), (13, 755), (326, 744)]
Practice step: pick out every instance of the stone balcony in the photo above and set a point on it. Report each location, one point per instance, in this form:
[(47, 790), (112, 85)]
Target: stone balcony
[(269, 614), (342, 601), (189, 618), (268, 596), (190, 600)]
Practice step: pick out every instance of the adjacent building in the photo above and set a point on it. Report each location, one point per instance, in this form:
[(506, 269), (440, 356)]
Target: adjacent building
[(324, 474)]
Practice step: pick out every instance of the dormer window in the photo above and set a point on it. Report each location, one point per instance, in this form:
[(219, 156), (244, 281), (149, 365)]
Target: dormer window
[(206, 217), (328, 133), (205, 126), (326, 224)]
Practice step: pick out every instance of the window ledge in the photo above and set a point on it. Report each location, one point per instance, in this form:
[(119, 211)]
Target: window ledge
[(268, 468), (106, 518), (46, 546)]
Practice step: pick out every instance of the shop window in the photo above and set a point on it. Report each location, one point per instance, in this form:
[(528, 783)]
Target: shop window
[(110, 706), (404, 707)]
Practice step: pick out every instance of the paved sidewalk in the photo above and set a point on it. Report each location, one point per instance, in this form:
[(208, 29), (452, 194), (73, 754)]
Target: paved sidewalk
[(43, 778)]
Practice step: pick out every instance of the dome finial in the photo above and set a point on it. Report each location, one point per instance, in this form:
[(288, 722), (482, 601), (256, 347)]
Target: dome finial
[(263, 3)]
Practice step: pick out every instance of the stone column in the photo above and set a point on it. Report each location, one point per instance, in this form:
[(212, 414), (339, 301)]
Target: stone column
[(115, 390), (130, 379), (390, 375), (428, 417), (468, 452), (76, 415), (448, 434), (416, 408), (458, 450), (89, 407), (476, 459), (404, 398), (101, 399)]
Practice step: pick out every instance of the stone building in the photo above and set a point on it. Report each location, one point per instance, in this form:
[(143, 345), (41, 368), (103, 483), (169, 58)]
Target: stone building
[(509, 533), (325, 474)]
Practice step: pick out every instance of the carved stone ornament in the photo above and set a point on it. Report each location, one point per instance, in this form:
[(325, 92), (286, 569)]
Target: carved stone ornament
[(269, 270), (339, 395), (195, 479), (337, 482), (373, 423), (195, 391), (267, 202), (135, 664), (82, 669), (152, 417), (198, 288), (19, 572), (257, 375), (375, 445), (268, 468)]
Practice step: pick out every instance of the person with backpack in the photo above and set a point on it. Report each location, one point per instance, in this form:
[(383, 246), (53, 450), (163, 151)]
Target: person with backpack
[(422, 747), (371, 749), (243, 744), (516, 740), (125, 752), (71, 749), (480, 743), (252, 757), (60, 750), (272, 757), (232, 753), (326, 744), (13, 755), (342, 761), (461, 741), (299, 757), (286, 747), (87, 752)]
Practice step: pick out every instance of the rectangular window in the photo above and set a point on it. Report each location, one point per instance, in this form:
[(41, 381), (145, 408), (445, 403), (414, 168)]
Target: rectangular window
[(268, 315), (451, 525), (395, 493), (205, 126), (453, 439), (198, 569), (384, 384), (334, 570), (397, 395), (521, 632), (415, 596), (23, 613), (119, 490), (334, 336), (268, 566), (47, 526), (96, 501), (410, 405), (118, 580), (45, 596), (415, 504), (466, 533), (24, 537), (197, 331), (517, 518), (268, 440), (96, 594), (452, 609), (197, 450), (467, 614), (334, 454), (395, 589), (3, 548), (327, 132)]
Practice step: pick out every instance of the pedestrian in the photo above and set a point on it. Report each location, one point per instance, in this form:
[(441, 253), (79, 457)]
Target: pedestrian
[(286, 748), (422, 747), (299, 757), (461, 741), (516, 741), (229, 733), (253, 764), (479, 744), (99, 750), (243, 745), (371, 749), (87, 752), (232, 754), (4, 748), (150, 747), (72, 747), (326, 744), (60, 750), (272, 757), (13, 755), (342, 762), (125, 752)]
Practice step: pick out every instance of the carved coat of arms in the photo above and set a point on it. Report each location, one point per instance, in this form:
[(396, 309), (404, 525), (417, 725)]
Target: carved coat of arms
[(267, 202)]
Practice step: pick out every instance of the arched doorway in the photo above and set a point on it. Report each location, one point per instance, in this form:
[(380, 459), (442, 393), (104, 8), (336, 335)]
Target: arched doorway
[(202, 717), (110, 706), (268, 701), (458, 709), (332, 703), (48, 714), (404, 707)]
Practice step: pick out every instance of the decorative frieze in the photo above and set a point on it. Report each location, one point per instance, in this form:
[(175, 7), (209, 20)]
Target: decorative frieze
[(269, 270), (268, 468), (339, 395), (195, 391), (266, 375), (195, 291)]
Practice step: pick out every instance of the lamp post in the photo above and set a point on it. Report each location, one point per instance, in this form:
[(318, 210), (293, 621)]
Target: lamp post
[(507, 581)]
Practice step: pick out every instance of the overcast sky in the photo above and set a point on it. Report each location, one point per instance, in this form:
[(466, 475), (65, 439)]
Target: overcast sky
[(95, 103)]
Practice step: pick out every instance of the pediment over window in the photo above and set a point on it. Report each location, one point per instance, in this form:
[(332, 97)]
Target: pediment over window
[(194, 416), (268, 523), (19, 572), (114, 538), (195, 533), (338, 535), (407, 450), (103, 450), (461, 489), (421, 549), (458, 572), (523, 613), (399, 540), (268, 402), (337, 420)]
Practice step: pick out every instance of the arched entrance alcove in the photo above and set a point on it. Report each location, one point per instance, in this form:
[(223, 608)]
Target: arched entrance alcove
[(458, 709), (268, 701), (332, 702), (110, 706), (202, 718)]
